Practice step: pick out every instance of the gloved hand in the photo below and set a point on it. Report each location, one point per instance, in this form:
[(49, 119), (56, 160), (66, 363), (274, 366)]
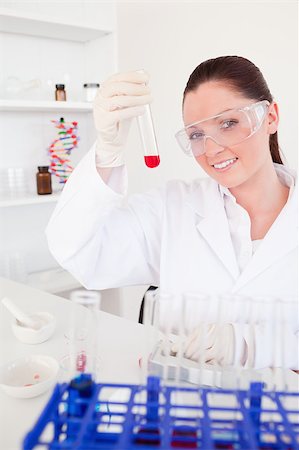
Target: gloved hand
[(212, 343), (119, 99)]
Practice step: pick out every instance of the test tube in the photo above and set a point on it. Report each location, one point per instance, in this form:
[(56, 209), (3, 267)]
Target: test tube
[(238, 312), (148, 137), (83, 345), (285, 340), (197, 317), (165, 321), (151, 334)]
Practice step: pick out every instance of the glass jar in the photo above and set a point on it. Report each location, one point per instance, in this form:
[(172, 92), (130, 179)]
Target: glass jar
[(90, 91), (43, 180), (60, 94)]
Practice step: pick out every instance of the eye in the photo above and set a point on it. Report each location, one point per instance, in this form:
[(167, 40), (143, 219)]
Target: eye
[(229, 124), (196, 136)]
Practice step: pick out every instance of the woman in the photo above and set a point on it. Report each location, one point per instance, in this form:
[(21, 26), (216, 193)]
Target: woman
[(232, 233)]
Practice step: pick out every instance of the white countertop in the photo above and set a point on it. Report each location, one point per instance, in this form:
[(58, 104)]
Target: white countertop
[(120, 346)]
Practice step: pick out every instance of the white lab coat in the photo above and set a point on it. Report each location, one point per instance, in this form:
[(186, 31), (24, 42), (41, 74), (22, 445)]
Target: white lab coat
[(176, 237)]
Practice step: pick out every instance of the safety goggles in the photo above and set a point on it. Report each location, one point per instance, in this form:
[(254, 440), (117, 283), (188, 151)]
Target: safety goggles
[(226, 129)]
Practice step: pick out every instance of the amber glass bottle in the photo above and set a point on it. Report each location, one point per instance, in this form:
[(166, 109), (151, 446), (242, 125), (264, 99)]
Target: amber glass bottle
[(60, 94), (43, 180)]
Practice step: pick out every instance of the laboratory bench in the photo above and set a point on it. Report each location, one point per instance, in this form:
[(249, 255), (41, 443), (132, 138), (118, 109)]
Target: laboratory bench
[(121, 344), (120, 347)]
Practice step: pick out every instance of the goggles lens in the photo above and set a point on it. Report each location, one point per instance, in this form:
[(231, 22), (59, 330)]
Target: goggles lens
[(227, 129)]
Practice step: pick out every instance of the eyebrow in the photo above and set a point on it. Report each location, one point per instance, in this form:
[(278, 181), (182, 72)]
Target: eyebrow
[(228, 109)]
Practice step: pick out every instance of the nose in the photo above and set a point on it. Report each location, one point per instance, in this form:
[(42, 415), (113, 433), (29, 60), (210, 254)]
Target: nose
[(212, 147)]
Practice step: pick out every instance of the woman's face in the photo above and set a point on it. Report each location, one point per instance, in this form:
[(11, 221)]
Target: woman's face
[(247, 158)]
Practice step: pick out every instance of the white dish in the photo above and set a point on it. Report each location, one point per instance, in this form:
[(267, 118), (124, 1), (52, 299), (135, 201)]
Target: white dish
[(31, 335), (29, 376)]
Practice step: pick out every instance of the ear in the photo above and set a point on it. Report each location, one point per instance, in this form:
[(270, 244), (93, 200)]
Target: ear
[(273, 118)]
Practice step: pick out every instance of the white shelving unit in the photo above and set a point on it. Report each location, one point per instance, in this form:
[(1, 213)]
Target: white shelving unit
[(64, 46), (32, 24), (27, 105), (30, 199)]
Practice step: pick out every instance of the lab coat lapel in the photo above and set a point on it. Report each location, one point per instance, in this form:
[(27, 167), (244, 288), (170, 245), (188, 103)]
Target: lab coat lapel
[(212, 224), (280, 240)]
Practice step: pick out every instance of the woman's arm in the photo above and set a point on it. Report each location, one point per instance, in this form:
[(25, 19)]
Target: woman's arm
[(97, 234)]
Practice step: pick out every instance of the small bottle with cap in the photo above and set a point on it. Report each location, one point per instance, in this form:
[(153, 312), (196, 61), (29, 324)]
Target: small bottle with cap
[(60, 94), (43, 180), (90, 91)]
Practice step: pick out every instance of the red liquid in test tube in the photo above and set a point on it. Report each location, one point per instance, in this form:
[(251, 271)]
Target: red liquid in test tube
[(148, 138), (81, 362), (83, 334), (152, 161)]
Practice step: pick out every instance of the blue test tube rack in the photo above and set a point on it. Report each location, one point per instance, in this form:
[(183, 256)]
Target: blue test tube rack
[(80, 416)]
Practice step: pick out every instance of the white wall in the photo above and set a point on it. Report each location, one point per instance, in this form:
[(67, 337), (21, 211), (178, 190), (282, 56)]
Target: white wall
[(169, 39)]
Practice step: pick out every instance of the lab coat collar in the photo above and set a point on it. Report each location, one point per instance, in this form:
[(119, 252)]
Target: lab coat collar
[(211, 222), (281, 238)]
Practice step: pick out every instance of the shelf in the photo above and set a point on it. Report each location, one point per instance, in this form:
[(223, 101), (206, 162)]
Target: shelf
[(27, 105), (38, 25), (30, 199)]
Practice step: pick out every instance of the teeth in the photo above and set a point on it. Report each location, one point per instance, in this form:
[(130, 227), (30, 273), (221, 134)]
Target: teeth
[(225, 163)]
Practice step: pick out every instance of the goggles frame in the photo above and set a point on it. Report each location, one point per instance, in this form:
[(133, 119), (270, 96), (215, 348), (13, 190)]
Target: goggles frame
[(246, 109)]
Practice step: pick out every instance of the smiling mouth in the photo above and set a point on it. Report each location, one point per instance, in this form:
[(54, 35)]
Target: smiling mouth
[(225, 164)]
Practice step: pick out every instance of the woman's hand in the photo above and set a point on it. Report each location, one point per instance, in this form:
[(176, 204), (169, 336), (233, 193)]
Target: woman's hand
[(119, 99), (211, 343)]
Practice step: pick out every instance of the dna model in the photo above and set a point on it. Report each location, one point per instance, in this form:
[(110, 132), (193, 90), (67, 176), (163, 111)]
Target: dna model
[(61, 148)]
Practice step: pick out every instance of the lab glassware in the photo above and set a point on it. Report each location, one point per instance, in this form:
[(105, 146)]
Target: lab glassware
[(60, 94), (151, 338), (83, 334), (15, 88), (163, 321), (13, 181), (180, 353), (166, 321), (200, 313), (148, 138), (91, 90), (234, 310), (43, 181), (285, 330), (13, 266)]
